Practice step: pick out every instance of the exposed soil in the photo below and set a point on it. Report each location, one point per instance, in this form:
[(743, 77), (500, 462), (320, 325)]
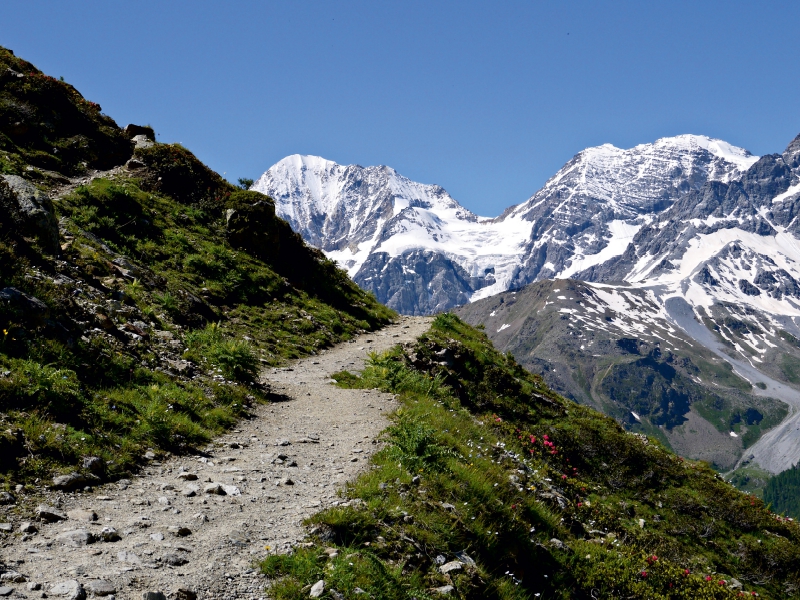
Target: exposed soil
[(275, 469)]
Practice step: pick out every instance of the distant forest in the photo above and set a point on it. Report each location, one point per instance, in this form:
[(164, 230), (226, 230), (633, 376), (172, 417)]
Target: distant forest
[(783, 492)]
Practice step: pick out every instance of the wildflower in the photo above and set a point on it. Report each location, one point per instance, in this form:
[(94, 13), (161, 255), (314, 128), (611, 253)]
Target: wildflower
[(708, 577), (644, 573), (563, 477), (580, 504)]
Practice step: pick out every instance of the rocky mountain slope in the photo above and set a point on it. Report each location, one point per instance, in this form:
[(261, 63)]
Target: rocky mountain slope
[(420, 252)]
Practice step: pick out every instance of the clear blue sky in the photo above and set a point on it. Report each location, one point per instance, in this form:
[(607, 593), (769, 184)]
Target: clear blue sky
[(487, 99)]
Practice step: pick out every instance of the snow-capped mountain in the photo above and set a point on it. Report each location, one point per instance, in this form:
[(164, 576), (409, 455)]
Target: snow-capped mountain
[(420, 251)]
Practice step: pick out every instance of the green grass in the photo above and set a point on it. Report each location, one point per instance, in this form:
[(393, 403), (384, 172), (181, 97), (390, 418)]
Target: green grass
[(483, 460)]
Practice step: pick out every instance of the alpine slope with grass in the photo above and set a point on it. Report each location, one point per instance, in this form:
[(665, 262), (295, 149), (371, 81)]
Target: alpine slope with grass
[(140, 293), (490, 485)]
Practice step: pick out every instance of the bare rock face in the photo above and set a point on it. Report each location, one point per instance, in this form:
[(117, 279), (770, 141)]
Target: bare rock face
[(30, 212)]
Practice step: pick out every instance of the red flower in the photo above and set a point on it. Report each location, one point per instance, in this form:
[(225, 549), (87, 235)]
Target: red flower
[(644, 573), (708, 577)]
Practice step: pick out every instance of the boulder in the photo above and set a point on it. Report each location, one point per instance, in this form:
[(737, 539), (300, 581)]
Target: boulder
[(185, 594), (6, 498), (30, 211), (154, 596)]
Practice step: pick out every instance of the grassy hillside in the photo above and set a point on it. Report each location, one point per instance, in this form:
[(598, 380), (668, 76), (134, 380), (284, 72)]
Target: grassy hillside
[(137, 304), (532, 495)]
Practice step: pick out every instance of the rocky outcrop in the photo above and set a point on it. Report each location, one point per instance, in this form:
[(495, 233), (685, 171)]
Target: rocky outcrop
[(27, 211)]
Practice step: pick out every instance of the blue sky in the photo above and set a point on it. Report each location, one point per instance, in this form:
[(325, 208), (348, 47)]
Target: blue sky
[(486, 99)]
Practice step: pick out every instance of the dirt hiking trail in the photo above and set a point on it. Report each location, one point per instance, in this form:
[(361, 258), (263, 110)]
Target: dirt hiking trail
[(198, 524)]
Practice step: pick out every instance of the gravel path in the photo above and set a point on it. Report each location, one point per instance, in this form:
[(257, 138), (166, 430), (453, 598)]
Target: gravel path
[(200, 523)]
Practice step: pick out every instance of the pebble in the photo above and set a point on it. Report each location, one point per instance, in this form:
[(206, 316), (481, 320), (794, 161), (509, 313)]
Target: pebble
[(6, 591)]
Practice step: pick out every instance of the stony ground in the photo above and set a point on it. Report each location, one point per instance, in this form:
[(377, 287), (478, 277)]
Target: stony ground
[(200, 523)]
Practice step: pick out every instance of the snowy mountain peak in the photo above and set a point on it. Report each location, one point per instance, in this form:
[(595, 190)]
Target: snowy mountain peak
[(420, 251)]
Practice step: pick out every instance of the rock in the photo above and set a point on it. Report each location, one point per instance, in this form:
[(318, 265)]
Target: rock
[(27, 527), (76, 538), (179, 531), (74, 480), (48, 514), (465, 558), (93, 464), (31, 308), (142, 141), (109, 534), (214, 488), (6, 591), (287, 481), (447, 506), (558, 544), (453, 565), (129, 557), (34, 586), (445, 590), (190, 491), (317, 589), (6, 498), (231, 490), (70, 589), (132, 130), (134, 164), (30, 210), (158, 537), (185, 594), (150, 455), (164, 501), (13, 577), (82, 515), (101, 587), (174, 559), (6, 527), (283, 443), (187, 476)]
